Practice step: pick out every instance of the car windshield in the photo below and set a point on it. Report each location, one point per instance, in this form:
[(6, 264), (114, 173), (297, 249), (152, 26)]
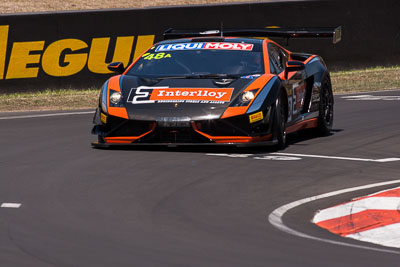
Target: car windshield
[(199, 59)]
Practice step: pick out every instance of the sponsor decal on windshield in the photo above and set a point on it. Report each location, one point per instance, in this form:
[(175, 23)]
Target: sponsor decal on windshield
[(254, 76), (149, 95), (198, 46)]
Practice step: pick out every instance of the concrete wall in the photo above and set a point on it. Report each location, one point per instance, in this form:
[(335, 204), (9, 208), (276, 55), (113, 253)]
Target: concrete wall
[(72, 49)]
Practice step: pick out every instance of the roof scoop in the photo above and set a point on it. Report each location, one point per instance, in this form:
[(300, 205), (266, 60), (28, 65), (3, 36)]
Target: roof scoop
[(211, 32)]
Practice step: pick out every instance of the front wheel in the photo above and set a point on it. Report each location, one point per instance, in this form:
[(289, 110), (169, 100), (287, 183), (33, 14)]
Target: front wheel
[(279, 124), (325, 119)]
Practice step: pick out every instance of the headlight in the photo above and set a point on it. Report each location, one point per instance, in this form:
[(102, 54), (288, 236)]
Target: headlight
[(247, 96), (115, 98), (244, 98)]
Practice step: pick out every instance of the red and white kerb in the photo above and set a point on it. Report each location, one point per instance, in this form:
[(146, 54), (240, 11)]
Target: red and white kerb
[(374, 218)]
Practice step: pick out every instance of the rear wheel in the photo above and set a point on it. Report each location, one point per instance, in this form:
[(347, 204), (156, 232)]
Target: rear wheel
[(325, 119), (279, 124)]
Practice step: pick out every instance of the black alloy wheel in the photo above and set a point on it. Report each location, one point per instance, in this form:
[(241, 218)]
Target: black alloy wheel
[(279, 124), (325, 119)]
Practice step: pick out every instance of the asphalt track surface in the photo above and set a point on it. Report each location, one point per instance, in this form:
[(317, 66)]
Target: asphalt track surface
[(181, 207)]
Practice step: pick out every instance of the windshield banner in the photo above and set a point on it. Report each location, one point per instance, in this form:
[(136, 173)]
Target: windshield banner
[(197, 46)]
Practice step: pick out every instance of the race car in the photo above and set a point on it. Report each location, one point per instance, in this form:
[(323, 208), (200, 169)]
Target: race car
[(215, 87)]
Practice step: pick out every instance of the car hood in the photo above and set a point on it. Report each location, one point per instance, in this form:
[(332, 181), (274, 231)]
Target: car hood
[(181, 99)]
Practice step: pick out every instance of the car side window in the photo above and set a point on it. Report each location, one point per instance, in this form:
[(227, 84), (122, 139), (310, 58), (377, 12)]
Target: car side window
[(278, 57), (273, 66), (284, 57)]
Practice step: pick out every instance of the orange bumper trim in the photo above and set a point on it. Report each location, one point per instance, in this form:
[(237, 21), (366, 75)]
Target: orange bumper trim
[(233, 139), (127, 139)]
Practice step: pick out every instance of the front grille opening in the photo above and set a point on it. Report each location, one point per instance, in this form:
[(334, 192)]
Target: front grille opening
[(122, 127), (173, 135), (232, 127)]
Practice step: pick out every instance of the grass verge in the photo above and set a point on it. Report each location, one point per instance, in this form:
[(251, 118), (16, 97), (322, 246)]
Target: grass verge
[(50, 100), (16, 6), (379, 78), (364, 80)]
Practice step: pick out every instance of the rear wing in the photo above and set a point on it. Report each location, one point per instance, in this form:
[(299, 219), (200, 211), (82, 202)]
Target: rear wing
[(326, 32)]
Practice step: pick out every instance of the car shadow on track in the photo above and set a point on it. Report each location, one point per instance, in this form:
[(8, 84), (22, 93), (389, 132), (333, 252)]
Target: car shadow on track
[(296, 138)]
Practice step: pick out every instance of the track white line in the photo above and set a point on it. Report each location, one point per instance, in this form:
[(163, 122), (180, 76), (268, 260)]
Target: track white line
[(367, 92), (11, 205), (372, 98), (45, 115), (339, 158), (275, 217)]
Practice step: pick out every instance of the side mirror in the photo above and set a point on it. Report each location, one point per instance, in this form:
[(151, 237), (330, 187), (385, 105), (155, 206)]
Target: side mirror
[(116, 67), (293, 66)]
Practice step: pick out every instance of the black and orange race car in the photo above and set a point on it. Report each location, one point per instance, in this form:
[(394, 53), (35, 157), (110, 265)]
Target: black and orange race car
[(208, 87)]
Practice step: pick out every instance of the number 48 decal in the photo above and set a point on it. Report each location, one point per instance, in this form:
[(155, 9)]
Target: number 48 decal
[(150, 56)]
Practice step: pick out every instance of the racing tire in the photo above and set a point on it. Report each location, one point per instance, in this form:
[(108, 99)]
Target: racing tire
[(325, 118), (279, 124)]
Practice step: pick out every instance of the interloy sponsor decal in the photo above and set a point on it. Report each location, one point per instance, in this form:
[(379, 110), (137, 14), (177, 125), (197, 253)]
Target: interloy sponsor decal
[(148, 95), (197, 46)]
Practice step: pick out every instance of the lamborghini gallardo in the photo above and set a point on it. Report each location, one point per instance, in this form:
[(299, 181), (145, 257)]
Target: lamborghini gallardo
[(217, 88)]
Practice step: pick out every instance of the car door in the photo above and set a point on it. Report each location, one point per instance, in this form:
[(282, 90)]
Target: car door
[(294, 83)]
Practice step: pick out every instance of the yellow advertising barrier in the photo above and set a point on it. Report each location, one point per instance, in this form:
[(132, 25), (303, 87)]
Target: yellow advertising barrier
[(66, 57)]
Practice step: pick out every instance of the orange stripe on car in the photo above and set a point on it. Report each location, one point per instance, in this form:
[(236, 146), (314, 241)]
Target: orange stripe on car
[(311, 123), (113, 84), (266, 57), (233, 139), (234, 111), (309, 59), (259, 83), (127, 139)]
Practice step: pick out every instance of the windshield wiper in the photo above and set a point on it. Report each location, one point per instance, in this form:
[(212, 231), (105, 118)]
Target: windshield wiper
[(219, 76), (202, 76), (173, 77)]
